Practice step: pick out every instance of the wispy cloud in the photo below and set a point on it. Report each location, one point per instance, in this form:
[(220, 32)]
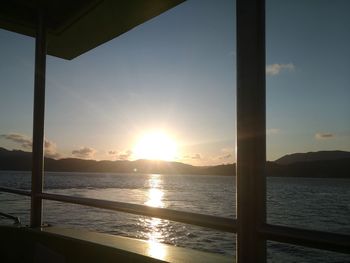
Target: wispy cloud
[(84, 152), (125, 155), (275, 69), (226, 153), (26, 143), (225, 156), (227, 150), (120, 155), (50, 149), (324, 135), (272, 131), (194, 156)]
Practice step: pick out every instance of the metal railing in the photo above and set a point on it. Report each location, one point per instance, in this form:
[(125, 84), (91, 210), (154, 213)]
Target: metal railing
[(15, 191), (208, 221), (307, 238), (16, 219), (296, 236)]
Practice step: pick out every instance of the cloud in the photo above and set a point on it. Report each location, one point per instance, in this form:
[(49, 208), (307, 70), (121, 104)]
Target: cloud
[(120, 155), (227, 150), (26, 143), (125, 155), (273, 131), (226, 153), (275, 69), (324, 135), (50, 149), (84, 152), (23, 140), (225, 156), (195, 156)]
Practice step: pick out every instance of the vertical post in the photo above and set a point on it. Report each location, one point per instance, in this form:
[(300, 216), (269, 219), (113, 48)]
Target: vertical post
[(38, 123), (251, 130)]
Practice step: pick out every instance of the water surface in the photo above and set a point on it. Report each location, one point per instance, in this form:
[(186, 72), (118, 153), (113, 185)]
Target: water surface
[(322, 204)]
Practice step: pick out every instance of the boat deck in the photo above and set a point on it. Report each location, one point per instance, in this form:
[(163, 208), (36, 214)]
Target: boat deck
[(56, 244)]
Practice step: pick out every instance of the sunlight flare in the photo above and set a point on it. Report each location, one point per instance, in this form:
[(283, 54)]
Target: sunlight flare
[(155, 146)]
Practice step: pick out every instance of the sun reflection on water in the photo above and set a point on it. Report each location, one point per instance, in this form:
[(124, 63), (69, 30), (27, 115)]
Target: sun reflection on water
[(155, 193), (155, 226), (155, 198), (156, 250)]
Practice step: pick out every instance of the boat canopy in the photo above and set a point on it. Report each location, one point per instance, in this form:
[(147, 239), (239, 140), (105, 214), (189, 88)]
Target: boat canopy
[(75, 27)]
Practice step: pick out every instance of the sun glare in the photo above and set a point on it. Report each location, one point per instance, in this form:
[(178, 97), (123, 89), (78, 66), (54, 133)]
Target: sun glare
[(155, 146)]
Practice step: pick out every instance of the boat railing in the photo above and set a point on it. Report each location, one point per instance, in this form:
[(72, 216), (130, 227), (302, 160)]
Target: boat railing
[(16, 219), (310, 238), (208, 221)]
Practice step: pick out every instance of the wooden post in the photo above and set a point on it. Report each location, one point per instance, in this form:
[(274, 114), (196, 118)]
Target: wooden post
[(38, 124), (251, 131)]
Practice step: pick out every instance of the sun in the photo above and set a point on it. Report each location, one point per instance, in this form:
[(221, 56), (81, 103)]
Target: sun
[(155, 146)]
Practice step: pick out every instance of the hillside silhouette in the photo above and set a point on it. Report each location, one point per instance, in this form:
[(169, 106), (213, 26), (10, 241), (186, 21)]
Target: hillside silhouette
[(294, 165), (313, 156), (21, 161)]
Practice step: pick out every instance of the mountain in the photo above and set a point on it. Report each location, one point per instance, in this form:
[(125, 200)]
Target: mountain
[(294, 165), (338, 168), (21, 161), (319, 164), (313, 156), (12, 159)]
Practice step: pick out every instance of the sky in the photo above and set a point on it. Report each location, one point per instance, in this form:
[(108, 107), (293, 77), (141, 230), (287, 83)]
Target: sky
[(175, 74)]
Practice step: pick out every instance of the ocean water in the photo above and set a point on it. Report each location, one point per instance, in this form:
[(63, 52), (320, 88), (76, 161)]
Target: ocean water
[(321, 204)]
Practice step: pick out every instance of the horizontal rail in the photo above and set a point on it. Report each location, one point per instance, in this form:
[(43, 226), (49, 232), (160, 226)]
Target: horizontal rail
[(15, 191), (213, 222), (308, 238), (296, 236), (14, 218)]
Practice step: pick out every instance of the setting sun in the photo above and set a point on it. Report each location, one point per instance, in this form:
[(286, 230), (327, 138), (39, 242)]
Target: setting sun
[(155, 146)]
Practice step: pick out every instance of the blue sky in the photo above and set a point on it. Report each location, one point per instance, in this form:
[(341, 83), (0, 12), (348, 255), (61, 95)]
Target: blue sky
[(177, 73)]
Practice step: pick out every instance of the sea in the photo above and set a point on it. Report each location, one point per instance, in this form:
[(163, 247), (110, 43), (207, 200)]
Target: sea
[(311, 203)]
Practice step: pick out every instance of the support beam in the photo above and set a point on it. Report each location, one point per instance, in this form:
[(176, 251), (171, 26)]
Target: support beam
[(38, 124), (251, 130)]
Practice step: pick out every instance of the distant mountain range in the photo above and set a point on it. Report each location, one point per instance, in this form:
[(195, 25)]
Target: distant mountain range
[(21, 161), (313, 156), (313, 164)]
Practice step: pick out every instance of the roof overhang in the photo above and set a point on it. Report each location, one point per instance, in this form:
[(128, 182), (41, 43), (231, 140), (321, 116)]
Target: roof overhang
[(75, 27)]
